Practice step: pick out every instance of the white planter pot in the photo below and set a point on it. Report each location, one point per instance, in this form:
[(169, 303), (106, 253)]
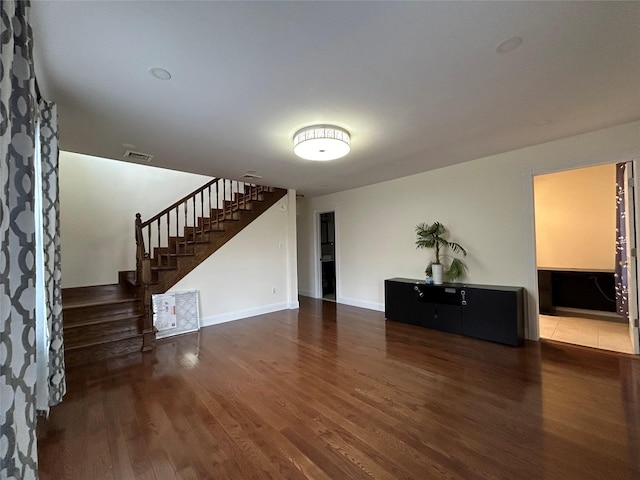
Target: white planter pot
[(436, 270)]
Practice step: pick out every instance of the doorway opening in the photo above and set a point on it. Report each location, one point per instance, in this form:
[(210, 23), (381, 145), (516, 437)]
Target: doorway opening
[(577, 233), (328, 255)]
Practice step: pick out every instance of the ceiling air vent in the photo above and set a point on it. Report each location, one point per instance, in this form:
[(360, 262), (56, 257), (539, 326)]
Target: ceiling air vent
[(251, 176), (137, 156)]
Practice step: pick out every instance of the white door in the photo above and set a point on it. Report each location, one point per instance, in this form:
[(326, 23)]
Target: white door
[(631, 207)]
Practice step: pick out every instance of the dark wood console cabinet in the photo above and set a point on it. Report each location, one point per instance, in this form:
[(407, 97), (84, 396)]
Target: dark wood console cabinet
[(480, 311)]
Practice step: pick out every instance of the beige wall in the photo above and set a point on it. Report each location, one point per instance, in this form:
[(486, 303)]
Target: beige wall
[(575, 213), (487, 204)]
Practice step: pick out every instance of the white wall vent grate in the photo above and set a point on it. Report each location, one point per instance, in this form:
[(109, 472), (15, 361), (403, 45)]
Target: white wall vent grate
[(137, 156), (251, 176)]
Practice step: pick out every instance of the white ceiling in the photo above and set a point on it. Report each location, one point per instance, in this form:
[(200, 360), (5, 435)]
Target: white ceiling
[(418, 84)]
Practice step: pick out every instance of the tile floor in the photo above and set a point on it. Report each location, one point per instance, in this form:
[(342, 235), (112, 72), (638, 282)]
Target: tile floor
[(583, 331)]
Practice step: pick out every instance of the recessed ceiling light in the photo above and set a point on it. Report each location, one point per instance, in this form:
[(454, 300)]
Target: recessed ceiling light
[(508, 45), (160, 73)]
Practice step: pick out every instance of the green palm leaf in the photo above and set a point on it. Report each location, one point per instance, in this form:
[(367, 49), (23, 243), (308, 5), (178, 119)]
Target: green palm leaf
[(432, 236)]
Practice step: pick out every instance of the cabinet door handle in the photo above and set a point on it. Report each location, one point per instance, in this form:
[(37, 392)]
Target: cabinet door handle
[(463, 293)]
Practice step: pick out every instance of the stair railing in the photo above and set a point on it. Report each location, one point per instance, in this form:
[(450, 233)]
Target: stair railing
[(177, 225)]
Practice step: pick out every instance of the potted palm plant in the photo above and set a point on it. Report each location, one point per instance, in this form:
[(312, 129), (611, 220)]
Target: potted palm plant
[(432, 236)]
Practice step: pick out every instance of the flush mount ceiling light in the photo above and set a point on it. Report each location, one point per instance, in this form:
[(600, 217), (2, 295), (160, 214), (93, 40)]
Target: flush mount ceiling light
[(321, 142)]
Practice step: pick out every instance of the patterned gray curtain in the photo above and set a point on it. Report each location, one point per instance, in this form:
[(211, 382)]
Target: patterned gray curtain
[(622, 305), (17, 270), (56, 385), (19, 114)]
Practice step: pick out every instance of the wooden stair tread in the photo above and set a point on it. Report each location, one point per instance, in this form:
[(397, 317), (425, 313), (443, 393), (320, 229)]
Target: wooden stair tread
[(103, 341), (162, 267)]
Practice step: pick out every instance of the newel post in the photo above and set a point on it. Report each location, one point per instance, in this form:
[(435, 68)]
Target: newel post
[(148, 334), (143, 280)]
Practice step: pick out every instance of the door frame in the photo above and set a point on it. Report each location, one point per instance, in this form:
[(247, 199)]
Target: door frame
[(631, 200), (317, 251), (529, 239)]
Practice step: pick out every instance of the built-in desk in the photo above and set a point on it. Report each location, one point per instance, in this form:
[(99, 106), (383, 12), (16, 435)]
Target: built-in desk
[(583, 289), (481, 311)]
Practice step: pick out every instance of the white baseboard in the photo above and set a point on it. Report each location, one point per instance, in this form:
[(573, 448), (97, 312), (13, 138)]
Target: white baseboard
[(249, 312), (304, 293), (354, 302), (293, 305)]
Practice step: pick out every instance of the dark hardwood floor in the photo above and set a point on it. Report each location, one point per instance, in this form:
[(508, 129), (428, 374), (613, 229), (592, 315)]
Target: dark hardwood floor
[(335, 392)]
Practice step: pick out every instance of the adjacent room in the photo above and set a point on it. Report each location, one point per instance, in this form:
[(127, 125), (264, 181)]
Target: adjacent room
[(578, 247), (319, 240)]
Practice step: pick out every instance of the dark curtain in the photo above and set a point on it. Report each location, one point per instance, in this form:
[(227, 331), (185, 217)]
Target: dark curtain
[(622, 305)]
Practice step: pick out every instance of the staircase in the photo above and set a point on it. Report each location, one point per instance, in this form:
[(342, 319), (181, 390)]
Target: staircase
[(105, 321), (101, 322)]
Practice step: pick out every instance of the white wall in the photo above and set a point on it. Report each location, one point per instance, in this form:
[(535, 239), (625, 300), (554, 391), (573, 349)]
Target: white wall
[(99, 199), (487, 204), (305, 239), (575, 213), (238, 280)]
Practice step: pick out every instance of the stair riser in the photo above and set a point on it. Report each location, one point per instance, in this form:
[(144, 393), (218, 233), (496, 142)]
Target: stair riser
[(249, 198), (165, 261), (178, 246), (81, 356), (83, 335), (230, 205), (218, 216), (206, 224), (127, 279), (83, 314)]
